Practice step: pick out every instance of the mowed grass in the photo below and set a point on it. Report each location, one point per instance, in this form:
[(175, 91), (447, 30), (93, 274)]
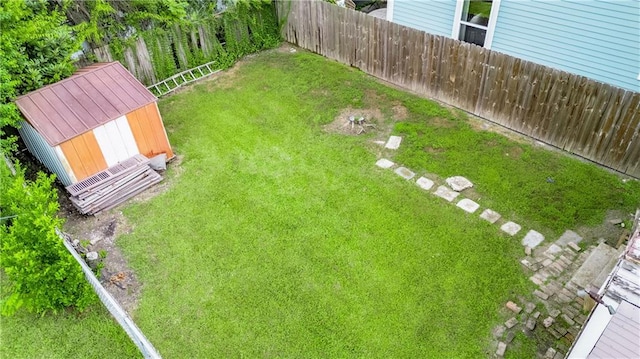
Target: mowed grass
[(277, 239), (280, 240), (92, 334)]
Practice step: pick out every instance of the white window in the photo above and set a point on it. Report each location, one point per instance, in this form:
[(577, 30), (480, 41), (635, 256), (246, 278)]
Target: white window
[(475, 21)]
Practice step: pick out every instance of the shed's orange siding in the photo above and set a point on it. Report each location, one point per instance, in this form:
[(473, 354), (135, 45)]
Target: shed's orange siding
[(149, 132), (84, 155)]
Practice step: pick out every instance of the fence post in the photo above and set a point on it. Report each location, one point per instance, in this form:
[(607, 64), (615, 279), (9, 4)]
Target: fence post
[(143, 344)]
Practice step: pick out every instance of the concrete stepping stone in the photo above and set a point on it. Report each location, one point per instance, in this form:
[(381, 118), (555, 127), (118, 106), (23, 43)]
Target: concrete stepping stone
[(511, 228), (424, 183), (458, 183), (404, 173), (446, 193), (502, 347), (393, 143), (384, 163), (567, 237), (490, 215), (553, 250), (597, 267), (468, 205), (532, 239)]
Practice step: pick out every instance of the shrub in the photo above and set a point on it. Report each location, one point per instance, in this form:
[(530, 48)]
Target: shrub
[(43, 276)]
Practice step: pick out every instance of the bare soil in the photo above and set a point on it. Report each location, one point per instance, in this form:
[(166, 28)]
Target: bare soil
[(341, 124), (100, 232)]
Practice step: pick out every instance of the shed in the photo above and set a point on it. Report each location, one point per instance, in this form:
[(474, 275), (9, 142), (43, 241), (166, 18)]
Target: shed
[(93, 120)]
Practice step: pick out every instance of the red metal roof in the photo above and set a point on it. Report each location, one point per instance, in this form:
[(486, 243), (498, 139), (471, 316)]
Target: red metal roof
[(93, 96)]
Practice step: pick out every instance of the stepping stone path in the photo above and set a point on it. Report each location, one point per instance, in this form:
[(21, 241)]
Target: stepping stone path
[(393, 143), (468, 205), (424, 183), (404, 173), (490, 215), (446, 193), (458, 183), (511, 228), (551, 269), (532, 239), (384, 163)]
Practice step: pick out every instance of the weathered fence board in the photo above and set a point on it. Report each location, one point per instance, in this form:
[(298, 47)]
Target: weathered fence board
[(591, 119)]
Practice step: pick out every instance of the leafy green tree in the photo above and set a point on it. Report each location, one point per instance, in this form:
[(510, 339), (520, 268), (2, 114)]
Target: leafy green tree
[(36, 45), (42, 275)]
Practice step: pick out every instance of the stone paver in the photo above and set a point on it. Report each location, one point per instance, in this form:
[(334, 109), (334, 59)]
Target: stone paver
[(513, 307), (532, 239), (553, 249), (446, 193), (541, 295), (547, 322), (502, 347), (468, 205), (393, 143), (384, 163), (404, 173), (511, 322), (511, 228), (567, 237), (490, 215), (458, 183), (574, 246), (424, 183), (531, 323)]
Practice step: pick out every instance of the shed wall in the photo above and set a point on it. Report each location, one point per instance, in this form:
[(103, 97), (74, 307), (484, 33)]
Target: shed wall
[(84, 155), (149, 132), (116, 141), (39, 148)]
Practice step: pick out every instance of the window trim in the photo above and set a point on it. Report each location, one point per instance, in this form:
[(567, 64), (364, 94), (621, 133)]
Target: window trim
[(490, 28)]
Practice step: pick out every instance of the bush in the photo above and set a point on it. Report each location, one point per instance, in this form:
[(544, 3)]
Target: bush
[(43, 276)]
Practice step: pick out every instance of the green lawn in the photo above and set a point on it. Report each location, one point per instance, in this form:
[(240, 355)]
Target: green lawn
[(92, 334), (278, 239)]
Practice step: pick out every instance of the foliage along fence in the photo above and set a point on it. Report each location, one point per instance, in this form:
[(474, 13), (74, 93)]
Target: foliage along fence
[(156, 54), (594, 120)]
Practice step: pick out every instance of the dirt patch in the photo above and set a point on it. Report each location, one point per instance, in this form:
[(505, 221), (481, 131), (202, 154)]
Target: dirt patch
[(606, 230), (433, 151), (442, 122), (400, 113), (99, 233), (514, 152), (373, 119)]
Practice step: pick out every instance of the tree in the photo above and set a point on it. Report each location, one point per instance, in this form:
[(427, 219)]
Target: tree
[(36, 46)]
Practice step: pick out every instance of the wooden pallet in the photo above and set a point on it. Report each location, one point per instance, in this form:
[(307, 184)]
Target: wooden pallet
[(106, 189)]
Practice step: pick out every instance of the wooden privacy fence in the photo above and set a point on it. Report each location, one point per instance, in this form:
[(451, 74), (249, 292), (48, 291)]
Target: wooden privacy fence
[(594, 120)]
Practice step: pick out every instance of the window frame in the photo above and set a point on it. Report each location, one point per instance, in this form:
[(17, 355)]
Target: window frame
[(490, 28)]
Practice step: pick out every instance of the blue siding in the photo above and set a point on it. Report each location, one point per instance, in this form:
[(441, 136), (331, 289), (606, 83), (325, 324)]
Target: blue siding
[(43, 152), (598, 39), (432, 16)]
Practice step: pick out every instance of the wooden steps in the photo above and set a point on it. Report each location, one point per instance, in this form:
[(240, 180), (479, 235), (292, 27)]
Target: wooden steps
[(106, 189)]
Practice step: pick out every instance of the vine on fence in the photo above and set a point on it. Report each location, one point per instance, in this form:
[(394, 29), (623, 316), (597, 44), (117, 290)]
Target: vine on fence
[(245, 28)]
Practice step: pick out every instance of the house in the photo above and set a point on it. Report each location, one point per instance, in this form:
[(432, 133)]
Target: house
[(91, 121), (599, 39), (613, 327)]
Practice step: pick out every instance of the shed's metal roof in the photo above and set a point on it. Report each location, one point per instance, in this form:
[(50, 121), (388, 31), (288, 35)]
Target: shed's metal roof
[(93, 96), (620, 338)]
